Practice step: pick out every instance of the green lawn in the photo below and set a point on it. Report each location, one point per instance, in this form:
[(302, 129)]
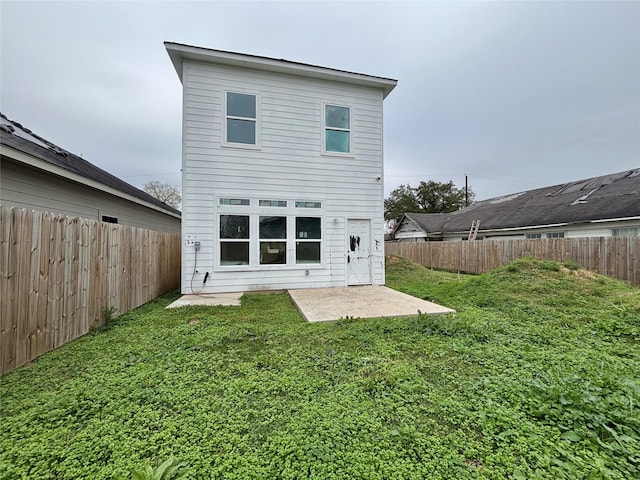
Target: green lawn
[(536, 376)]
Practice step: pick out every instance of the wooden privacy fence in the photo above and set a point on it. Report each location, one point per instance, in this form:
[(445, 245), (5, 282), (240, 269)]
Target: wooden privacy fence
[(58, 275), (617, 257)]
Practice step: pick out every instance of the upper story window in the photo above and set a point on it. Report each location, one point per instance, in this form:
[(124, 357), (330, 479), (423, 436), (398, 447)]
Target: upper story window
[(337, 129), (241, 119)]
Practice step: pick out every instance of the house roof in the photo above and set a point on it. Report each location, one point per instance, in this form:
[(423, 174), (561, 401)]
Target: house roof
[(62, 162), (598, 199), (179, 52)]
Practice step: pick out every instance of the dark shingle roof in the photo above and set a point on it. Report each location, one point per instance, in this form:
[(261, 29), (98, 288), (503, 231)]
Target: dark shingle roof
[(16, 136), (607, 197)]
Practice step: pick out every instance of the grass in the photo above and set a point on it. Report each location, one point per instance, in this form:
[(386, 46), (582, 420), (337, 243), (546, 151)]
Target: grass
[(536, 376)]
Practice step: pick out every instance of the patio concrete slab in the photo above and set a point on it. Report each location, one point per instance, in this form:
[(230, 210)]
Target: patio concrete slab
[(208, 299), (327, 304)]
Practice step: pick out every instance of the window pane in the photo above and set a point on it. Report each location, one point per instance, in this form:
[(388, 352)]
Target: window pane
[(273, 203), (273, 227), (336, 116), (337, 141), (307, 227), (308, 205), (234, 201), (273, 253), (241, 105), (234, 253), (241, 131), (234, 226), (307, 252)]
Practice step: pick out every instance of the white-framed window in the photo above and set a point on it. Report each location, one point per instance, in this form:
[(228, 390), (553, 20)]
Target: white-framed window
[(308, 240), (336, 129), (273, 240), (241, 120), (555, 235), (626, 232), (234, 239), (264, 233), (532, 235), (235, 201), (273, 203), (300, 204)]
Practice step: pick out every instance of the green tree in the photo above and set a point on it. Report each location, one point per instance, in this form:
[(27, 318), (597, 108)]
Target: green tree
[(401, 200), (427, 197)]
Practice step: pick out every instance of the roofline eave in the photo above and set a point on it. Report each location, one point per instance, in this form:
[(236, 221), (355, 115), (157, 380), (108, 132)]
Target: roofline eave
[(179, 52)]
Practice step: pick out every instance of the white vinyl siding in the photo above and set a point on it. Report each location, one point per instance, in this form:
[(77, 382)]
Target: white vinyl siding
[(289, 166)]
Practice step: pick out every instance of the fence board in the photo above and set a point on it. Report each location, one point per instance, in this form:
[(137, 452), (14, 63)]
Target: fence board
[(58, 274), (617, 257)]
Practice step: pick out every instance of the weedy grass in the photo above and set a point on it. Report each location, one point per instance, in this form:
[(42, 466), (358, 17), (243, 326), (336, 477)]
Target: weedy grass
[(536, 376)]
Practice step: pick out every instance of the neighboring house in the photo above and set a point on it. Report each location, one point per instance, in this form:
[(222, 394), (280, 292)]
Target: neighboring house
[(281, 173), (596, 207), (38, 175)]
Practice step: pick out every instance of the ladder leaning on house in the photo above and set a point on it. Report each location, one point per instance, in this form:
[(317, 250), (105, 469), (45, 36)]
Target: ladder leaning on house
[(473, 233)]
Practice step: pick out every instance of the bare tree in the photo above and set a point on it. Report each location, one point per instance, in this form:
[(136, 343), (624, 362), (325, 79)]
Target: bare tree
[(165, 192)]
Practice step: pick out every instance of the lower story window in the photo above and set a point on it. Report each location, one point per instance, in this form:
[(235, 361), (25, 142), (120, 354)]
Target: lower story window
[(626, 232), (269, 236), (234, 240), (308, 236), (234, 253), (273, 240), (555, 235)]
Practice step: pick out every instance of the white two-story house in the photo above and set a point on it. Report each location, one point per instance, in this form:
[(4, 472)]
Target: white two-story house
[(282, 172)]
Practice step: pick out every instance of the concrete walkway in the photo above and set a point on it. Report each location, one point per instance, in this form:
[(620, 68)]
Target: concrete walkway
[(327, 304), (209, 299)]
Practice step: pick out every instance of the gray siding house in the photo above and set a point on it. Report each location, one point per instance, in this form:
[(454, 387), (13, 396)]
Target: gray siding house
[(39, 175), (603, 206), (282, 173)]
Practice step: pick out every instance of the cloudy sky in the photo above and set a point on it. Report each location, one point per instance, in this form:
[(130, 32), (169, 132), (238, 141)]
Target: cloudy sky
[(516, 95)]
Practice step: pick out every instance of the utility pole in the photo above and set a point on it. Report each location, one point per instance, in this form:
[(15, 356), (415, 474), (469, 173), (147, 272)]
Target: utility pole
[(466, 191)]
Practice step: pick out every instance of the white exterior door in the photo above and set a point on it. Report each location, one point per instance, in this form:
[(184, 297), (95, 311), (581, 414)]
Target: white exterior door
[(359, 252)]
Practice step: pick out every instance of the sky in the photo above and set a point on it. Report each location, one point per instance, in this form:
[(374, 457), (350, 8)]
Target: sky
[(515, 95)]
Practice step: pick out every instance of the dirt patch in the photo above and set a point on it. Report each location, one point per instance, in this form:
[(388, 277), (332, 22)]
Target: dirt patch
[(580, 273), (194, 321), (395, 259)]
